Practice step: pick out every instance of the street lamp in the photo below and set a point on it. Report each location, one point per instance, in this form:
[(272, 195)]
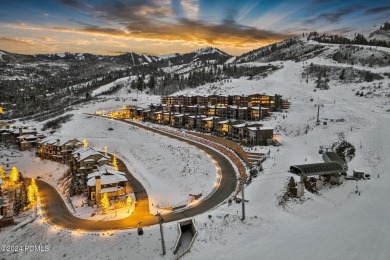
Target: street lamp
[(161, 231)]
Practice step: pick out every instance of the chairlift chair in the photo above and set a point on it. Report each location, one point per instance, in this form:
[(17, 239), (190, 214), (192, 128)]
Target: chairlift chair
[(321, 150)]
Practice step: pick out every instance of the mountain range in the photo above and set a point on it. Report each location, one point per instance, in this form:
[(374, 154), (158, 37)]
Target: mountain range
[(27, 80)]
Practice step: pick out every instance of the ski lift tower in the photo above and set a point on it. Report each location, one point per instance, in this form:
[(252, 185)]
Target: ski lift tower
[(318, 112)]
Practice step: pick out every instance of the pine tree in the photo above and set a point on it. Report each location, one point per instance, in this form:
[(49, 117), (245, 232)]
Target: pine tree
[(2, 172), (75, 186), (133, 85), (342, 75), (23, 195), (128, 203), (18, 204), (14, 175), (30, 195), (152, 82), (32, 192), (140, 83), (105, 203)]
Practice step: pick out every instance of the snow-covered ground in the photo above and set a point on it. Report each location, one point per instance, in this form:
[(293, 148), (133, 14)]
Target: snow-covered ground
[(30, 165), (81, 210), (123, 81), (1, 55), (337, 223)]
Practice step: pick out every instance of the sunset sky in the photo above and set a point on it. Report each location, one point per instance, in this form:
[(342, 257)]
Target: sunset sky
[(170, 26)]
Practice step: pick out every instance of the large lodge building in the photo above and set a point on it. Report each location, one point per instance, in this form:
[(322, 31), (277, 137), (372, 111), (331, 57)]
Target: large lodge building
[(225, 116), (257, 100)]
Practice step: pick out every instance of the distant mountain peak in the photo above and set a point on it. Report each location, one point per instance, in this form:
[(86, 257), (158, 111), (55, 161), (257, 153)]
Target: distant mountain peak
[(385, 26), (209, 50), (383, 33)]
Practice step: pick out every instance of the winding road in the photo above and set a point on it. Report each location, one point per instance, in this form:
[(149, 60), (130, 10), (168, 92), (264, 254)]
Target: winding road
[(58, 214)]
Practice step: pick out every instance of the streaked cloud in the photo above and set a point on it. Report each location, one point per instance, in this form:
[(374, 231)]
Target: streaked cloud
[(163, 26), (226, 33), (16, 41), (378, 10), (190, 8), (334, 16), (344, 30)]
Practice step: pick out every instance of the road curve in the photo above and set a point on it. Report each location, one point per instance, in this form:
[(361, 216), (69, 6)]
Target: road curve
[(58, 214)]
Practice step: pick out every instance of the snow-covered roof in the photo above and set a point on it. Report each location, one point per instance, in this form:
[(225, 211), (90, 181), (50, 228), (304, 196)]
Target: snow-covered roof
[(86, 152), (110, 189), (53, 140), (239, 125), (24, 131), (106, 177), (29, 137), (223, 122), (209, 118), (103, 159)]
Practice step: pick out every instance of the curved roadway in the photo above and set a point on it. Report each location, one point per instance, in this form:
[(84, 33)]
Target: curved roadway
[(57, 212)]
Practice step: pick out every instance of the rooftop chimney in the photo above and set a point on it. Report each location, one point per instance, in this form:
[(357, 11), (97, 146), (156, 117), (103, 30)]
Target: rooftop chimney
[(58, 142)]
